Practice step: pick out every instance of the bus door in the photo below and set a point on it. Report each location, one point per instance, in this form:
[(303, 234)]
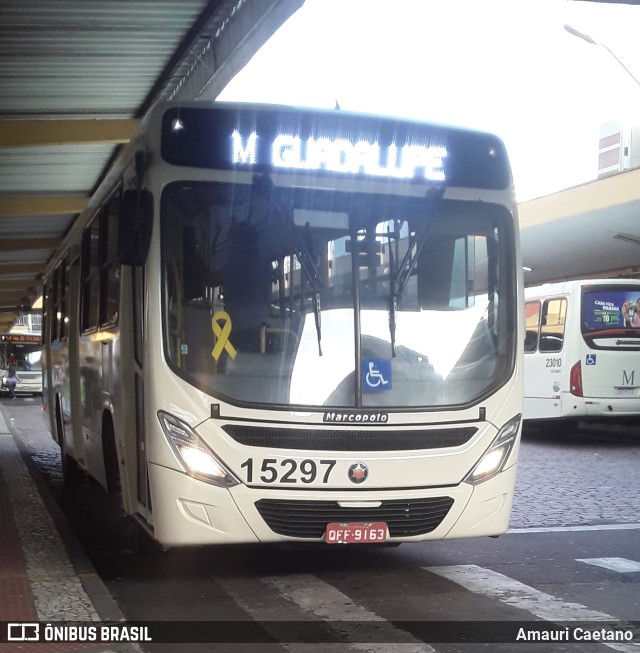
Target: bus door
[(143, 495), (545, 376), (72, 393)]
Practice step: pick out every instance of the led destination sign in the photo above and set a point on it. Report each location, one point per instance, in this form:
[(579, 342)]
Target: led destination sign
[(341, 155), (332, 143), (20, 338)]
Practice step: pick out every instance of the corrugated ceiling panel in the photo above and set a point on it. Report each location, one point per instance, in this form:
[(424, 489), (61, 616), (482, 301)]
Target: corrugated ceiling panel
[(53, 169), (27, 256), (91, 59), (86, 57), (43, 226)]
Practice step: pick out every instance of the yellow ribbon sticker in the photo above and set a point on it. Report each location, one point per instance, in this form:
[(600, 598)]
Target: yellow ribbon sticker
[(222, 335)]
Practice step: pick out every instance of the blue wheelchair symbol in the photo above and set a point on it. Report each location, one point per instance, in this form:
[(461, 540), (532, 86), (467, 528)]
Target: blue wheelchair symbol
[(376, 374), (591, 359)]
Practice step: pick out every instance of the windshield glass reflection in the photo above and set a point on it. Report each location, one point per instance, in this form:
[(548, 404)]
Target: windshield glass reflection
[(312, 297)]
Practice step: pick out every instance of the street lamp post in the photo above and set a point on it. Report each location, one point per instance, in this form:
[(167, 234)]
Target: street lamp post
[(623, 160), (588, 39)]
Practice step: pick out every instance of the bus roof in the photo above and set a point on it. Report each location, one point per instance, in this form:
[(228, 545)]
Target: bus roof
[(565, 287)]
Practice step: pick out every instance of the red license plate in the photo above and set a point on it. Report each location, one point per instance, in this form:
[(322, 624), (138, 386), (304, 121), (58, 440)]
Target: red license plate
[(356, 533)]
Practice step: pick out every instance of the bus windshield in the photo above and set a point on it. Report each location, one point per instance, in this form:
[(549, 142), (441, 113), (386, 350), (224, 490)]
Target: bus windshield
[(23, 357), (611, 311), (316, 297)]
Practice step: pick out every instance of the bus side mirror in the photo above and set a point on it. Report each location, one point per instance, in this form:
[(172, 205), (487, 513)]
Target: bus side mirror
[(135, 221)]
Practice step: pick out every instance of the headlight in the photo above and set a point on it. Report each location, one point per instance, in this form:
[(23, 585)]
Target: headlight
[(197, 459), (497, 454)]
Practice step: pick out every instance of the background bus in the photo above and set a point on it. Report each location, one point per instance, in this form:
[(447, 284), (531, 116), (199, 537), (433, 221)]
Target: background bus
[(292, 325), (582, 351), (22, 347)]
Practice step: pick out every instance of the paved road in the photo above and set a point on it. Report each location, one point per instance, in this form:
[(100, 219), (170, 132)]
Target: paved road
[(572, 557), (585, 478)]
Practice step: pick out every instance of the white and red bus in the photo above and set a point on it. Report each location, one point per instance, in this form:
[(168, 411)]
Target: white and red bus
[(22, 350), (274, 324), (582, 351)]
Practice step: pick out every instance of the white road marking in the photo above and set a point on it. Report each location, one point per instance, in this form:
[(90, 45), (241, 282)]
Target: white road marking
[(512, 592), (325, 601), (568, 529), (517, 594), (621, 565)]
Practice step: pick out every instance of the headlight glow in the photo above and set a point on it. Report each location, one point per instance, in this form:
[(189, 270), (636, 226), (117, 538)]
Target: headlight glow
[(201, 462), (489, 463), (494, 459), (194, 455)]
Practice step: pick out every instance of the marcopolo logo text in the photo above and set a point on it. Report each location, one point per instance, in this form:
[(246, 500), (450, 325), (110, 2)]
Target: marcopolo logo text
[(356, 416)]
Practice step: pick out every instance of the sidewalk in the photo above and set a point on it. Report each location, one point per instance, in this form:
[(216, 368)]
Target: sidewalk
[(44, 573)]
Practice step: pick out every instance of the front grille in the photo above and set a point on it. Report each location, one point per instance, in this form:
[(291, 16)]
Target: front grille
[(309, 519), (349, 439)]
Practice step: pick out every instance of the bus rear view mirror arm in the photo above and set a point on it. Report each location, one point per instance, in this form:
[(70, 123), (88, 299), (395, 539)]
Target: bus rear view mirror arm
[(135, 219)]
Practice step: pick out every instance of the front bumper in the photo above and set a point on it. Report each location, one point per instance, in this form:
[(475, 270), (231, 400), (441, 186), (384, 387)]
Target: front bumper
[(189, 512)]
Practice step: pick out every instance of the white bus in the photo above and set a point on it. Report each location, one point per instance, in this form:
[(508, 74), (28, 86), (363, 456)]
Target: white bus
[(23, 351), (275, 324), (582, 351)]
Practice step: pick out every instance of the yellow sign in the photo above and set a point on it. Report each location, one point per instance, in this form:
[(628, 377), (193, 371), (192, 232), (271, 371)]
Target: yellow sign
[(222, 335)]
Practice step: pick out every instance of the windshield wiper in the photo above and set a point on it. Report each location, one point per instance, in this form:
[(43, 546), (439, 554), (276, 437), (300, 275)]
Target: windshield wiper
[(399, 276), (263, 185), (393, 307)]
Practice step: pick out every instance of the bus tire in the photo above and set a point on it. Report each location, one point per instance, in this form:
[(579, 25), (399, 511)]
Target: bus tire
[(140, 542), (72, 474), (110, 456)]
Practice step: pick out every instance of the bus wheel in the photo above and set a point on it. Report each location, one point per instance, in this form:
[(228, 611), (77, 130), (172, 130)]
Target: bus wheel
[(72, 475), (140, 542), (110, 454)]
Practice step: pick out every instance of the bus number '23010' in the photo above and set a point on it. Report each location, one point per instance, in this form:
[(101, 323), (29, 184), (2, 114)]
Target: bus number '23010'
[(288, 470)]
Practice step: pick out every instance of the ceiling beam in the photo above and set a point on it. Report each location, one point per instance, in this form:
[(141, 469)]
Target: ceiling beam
[(24, 133), (14, 269), (18, 244), (42, 205), (598, 194), (13, 295), (14, 286)]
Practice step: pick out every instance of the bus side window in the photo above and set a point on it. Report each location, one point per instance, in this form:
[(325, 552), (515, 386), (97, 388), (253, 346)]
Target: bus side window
[(554, 313), (532, 317)]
